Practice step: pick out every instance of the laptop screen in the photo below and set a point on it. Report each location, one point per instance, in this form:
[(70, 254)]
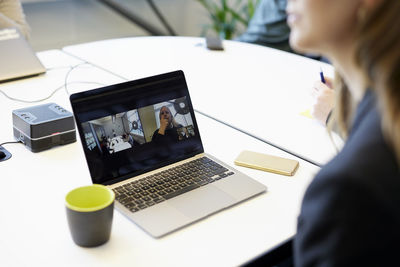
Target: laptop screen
[(135, 127)]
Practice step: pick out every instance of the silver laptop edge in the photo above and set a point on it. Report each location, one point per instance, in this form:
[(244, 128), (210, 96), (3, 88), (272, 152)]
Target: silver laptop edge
[(18, 60)]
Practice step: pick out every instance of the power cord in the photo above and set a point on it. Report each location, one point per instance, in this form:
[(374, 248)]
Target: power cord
[(65, 86), (4, 155), (67, 75), (11, 142)]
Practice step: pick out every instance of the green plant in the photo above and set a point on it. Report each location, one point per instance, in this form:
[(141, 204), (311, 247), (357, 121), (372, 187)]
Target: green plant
[(227, 18)]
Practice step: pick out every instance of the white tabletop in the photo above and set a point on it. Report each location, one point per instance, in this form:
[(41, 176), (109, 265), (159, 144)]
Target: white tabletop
[(257, 89), (34, 229)]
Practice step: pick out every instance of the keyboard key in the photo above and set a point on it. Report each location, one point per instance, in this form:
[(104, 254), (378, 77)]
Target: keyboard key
[(126, 201), (203, 182), (120, 198), (150, 203), (158, 200), (175, 187), (130, 205), (137, 196), (181, 191), (142, 206), (134, 209), (168, 190)]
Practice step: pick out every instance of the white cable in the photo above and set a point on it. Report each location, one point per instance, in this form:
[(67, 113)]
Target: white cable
[(65, 86), (43, 99)]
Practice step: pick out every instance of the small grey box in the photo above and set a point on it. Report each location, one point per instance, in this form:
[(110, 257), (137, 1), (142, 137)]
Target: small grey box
[(44, 126)]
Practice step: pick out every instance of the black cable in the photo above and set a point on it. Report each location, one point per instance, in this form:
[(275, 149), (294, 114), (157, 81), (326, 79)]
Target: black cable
[(161, 17), (11, 142), (4, 155), (260, 139)]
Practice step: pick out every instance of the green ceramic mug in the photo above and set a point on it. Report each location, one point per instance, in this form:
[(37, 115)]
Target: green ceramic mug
[(90, 213)]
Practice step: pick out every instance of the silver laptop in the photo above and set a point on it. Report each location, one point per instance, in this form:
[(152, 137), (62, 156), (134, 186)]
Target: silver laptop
[(18, 60), (141, 139)]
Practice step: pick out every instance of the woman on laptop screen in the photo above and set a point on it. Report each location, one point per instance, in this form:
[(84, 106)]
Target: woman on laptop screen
[(168, 131)]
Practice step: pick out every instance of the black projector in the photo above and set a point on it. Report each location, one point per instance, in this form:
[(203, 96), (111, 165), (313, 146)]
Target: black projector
[(44, 126)]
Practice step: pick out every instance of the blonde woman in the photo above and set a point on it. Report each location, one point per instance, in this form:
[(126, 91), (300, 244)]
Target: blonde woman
[(168, 131), (350, 214)]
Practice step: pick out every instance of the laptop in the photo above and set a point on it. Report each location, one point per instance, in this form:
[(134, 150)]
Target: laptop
[(141, 139), (18, 60)]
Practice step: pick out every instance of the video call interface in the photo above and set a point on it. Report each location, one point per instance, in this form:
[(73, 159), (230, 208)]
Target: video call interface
[(140, 138)]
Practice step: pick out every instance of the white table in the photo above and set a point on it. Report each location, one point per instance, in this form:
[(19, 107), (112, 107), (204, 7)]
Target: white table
[(33, 225), (120, 146), (257, 89)]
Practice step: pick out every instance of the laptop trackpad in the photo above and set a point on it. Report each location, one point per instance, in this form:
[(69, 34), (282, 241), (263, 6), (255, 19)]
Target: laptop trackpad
[(202, 201)]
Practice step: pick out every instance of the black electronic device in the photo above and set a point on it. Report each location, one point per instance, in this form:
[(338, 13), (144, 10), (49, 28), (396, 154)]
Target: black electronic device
[(4, 154), (44, 126)]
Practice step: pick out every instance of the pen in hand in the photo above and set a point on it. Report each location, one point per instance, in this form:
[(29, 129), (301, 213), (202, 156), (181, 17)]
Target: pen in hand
[(321, 74)]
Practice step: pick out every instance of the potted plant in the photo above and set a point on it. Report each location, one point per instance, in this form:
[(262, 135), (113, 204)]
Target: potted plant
[(227, 18)]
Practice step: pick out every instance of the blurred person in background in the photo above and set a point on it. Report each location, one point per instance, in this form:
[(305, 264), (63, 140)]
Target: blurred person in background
[(12, 15)]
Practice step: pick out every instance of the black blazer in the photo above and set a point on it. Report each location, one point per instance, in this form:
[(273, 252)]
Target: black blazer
[(350, 214)]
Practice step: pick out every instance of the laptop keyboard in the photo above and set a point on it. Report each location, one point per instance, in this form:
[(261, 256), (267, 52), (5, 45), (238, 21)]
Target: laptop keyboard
[(148, 191)]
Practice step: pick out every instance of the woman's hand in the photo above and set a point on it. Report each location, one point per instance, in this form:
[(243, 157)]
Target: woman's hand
[(163, 125), (324, 100)]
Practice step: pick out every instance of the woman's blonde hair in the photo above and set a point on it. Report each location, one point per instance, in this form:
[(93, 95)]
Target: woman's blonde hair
[(173, 121), (378, 55)]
